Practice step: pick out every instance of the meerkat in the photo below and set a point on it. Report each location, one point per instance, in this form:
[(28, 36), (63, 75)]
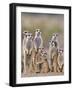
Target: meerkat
[(55, 38), (44, 62), (29, 44), (25, 33), (53, 53), (24, 36), (54, 56), (27, 51), (60, 60), (38, 41), (38, 61)]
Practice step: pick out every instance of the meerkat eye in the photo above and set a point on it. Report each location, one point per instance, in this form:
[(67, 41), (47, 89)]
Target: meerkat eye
[(28, 35)]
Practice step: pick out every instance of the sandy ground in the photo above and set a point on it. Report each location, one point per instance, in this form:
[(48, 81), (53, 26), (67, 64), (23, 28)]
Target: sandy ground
[(43, 74)]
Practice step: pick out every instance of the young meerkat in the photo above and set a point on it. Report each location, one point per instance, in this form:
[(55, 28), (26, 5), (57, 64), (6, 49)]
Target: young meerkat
[(60, 61), (44, 64)]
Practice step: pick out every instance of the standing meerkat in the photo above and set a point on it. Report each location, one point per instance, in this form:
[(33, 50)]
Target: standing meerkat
[(25, 33), (38, 41), (27, 51), (24, 36), (60, 61), (54, 56), (53, 53), (29, 44)]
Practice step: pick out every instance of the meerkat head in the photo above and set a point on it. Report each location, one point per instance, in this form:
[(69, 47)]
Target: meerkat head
[(29, 36), (54, 36), (54, 44), (60, 52), (37, 33), (44, 54), (37, 30), (25, 33), (40, 50)]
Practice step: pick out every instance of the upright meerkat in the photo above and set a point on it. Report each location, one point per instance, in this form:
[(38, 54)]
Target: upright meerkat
[(28, 46), (38, 41), (60, 61), (24, 36), (54, 56), (53, 53)]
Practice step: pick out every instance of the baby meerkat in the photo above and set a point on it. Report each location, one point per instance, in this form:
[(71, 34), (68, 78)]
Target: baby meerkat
[(44, 66)]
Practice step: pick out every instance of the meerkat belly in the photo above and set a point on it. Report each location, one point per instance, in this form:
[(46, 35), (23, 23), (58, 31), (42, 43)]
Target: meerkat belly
[(60, 61), (37, 42), (54, 52), (29, 45)]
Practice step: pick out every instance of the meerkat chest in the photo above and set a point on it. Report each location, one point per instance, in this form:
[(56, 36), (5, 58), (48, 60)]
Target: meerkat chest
[(38, 41), (28, 44), (60, 59)]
